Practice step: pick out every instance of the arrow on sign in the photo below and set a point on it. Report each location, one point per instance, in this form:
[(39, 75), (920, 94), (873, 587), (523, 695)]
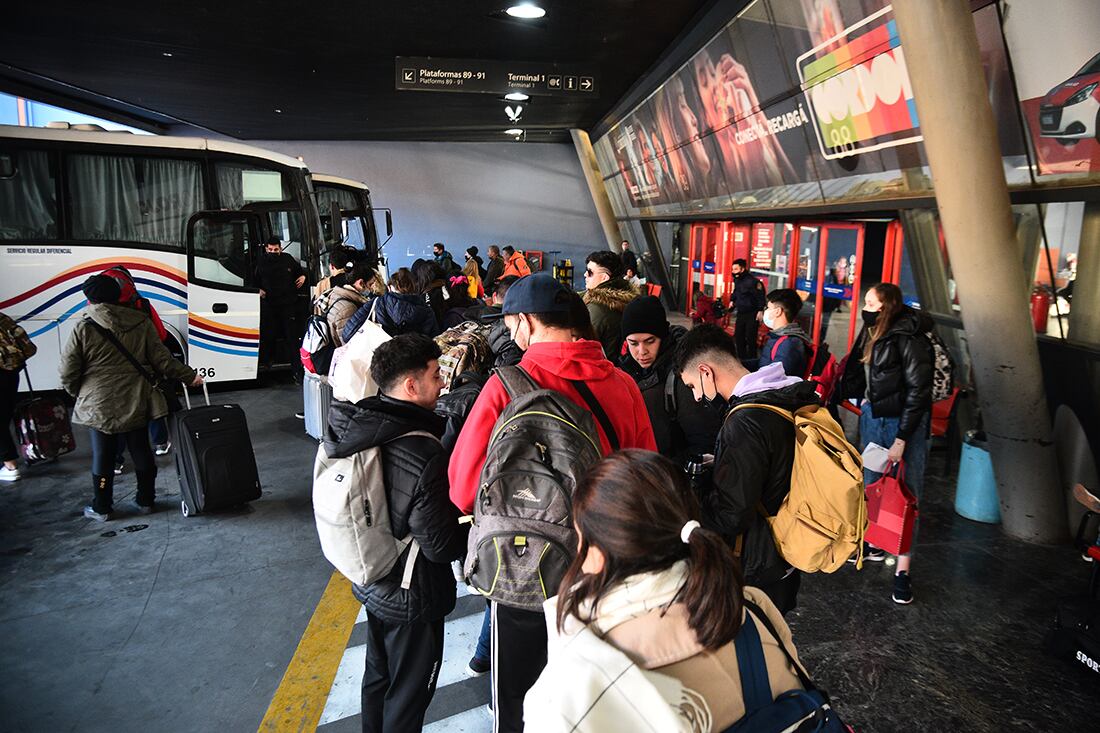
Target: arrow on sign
[(586, 83), (409, 75)]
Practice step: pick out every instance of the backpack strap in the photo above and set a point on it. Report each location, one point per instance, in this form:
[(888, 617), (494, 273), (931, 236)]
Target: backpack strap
[(597, 410), (516, 381), (670, 394), (757, 612), (755, 687), (787, 414), (775, 346)]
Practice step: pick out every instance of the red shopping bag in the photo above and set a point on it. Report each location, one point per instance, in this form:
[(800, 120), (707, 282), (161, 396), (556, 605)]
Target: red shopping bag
[(891, 513)]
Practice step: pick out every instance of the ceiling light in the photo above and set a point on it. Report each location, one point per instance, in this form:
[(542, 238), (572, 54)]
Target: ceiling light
[(526, 11), (516, 97), (514, 131), (166, 55), (278, 111)]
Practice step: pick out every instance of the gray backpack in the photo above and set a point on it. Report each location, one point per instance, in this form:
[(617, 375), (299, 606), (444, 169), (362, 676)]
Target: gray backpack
[(353, 516), (522, 539)]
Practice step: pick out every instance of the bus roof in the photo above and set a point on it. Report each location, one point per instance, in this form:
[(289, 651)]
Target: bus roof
[(336, 180), (162, 142)]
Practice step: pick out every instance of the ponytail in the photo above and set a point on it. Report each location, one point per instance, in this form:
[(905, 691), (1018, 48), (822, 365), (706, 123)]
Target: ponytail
[(714, 590), (636, 508)]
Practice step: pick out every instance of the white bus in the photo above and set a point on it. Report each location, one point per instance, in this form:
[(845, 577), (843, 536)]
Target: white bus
[(186, 216)]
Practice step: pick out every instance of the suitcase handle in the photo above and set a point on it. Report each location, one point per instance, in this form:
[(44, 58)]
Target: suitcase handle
[(187, 396)]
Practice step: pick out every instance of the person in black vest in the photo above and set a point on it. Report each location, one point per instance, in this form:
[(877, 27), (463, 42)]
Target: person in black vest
[(404, 627), (748, 302), (279, 277)]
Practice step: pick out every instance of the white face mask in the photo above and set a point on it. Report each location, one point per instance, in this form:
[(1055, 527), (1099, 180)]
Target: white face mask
[(769, 319)]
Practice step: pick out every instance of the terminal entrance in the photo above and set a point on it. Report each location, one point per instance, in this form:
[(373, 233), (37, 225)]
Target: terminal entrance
[(830, 263)]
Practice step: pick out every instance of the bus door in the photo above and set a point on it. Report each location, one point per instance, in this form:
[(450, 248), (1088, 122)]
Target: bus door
[(829, 273), (703, 249), (223, 304)]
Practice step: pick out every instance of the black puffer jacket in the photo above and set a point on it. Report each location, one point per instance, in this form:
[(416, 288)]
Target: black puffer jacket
[(505, 351), (752, 464), (681, 426), (901, 372), (415, 474), (397, 313)]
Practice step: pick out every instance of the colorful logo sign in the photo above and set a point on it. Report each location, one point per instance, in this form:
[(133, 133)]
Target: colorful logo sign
[(857, 86)]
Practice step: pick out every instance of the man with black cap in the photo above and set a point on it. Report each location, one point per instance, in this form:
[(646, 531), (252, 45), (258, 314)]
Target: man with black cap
[(537, 310), (112, 398), (682, 427), (279, 277)]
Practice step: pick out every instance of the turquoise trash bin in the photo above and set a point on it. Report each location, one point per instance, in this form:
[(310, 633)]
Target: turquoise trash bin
[(976, 491)]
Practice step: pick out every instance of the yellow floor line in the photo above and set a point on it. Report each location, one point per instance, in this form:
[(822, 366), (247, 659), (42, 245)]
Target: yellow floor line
[(303, 692)]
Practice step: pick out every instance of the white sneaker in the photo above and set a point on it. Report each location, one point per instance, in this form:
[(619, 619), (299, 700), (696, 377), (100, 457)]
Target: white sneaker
[(9, 474), (162, 450)]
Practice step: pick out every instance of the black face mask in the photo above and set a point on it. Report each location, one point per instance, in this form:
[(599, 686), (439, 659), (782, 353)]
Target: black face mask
[(717, 403), (271, 255), (870, 317)]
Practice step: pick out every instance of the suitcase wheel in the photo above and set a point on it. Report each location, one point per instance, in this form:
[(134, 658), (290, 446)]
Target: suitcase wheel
[(184, 509)]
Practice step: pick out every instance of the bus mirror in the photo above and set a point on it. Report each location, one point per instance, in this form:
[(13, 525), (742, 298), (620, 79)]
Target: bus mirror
[(335, 224), (389, 224)]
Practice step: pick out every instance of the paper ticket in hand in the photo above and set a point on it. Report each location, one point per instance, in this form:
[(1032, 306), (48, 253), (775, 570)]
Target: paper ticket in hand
[(876, 458)]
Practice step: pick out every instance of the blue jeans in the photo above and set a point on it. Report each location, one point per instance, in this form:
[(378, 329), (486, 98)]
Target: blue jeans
[(884, 430), (482, 650)]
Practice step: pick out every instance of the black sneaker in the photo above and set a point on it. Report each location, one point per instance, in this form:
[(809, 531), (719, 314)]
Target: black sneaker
[(478, 666), (119, 465), (142, 509), (903, 589), (870, 554)]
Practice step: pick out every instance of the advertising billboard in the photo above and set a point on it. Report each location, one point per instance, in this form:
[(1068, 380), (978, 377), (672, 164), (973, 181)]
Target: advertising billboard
[(793, 103)]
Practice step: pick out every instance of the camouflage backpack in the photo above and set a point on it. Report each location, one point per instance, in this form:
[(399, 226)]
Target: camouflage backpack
[(15, 345), (465, 349)]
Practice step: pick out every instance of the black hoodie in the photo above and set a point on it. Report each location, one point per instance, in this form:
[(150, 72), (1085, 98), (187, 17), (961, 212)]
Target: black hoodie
[(415, 474), (752, 464), (682, 427)]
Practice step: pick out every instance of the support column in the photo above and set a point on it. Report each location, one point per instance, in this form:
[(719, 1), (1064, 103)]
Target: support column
[(592, 177), (960, 137)]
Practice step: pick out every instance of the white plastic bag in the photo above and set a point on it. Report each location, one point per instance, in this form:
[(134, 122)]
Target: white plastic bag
[(349, 373)]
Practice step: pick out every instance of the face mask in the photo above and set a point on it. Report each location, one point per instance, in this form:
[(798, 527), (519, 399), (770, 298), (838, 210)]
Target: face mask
[(717, 402), (870, 317), (769, 319), (272, 254)]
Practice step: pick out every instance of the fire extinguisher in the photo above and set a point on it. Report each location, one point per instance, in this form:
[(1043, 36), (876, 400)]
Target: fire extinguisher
[(1040, 308)]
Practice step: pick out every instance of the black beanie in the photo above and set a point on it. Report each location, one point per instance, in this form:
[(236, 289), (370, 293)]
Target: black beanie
[(472, 251), (102, 289), (645, 315)]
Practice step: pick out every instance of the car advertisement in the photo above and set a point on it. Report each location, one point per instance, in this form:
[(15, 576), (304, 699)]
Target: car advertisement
[(794, 102), (1056, 60)]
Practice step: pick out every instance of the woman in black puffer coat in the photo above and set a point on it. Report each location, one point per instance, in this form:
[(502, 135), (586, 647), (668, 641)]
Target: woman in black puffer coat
[(890, 372)]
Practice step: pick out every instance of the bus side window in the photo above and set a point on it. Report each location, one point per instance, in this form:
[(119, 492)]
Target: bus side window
[(28, 200)]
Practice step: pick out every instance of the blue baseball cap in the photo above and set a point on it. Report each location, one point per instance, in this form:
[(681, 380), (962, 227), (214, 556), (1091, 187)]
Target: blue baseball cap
[(536, 294)]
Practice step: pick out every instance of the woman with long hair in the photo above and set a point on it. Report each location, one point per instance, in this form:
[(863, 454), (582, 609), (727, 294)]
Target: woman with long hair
[(890, 372), (645, 630), (431, 283), (400, 310)]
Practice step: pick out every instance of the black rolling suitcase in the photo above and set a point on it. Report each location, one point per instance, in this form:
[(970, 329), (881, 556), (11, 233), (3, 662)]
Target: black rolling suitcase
[(214, 457)]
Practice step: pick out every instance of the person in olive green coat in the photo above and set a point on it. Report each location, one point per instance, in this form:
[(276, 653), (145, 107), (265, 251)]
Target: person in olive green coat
[(112, 398)]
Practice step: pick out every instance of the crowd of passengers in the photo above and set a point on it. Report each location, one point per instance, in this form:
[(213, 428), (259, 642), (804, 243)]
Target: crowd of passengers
[(667, 577)]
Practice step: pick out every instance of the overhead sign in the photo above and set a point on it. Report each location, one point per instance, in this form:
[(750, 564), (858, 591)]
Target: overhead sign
[(494, 77)]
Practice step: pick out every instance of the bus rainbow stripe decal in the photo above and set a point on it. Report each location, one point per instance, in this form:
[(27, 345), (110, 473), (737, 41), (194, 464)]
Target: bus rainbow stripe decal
[(202, 324), (96, 266)]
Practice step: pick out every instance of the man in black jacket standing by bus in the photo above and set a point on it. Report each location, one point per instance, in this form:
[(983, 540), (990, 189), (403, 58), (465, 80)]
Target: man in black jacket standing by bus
[(279, 277), (748, 301)]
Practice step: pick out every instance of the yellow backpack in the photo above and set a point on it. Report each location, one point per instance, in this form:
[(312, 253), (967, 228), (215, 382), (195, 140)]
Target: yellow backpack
[(822, 519)]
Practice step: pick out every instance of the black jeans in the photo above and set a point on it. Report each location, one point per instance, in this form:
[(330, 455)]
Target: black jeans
[(519, 655), (104, 450), (784, 592), (744, 335), (280, 320), (403, 663), (9, 387)]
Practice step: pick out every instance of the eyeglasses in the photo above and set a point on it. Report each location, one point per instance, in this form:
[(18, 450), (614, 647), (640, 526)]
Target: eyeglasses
[(589, 273)]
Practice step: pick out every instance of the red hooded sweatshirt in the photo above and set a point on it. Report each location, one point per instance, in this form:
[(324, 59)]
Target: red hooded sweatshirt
[(551, 365)]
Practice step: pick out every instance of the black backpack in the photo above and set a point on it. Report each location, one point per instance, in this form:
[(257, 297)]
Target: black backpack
[(455, 406), (522, 539)]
